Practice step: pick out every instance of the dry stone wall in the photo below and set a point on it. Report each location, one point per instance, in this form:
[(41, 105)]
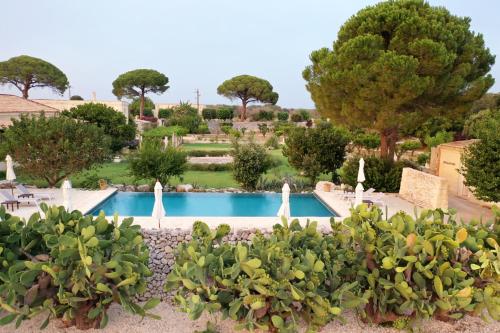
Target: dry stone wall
[(423, 189)]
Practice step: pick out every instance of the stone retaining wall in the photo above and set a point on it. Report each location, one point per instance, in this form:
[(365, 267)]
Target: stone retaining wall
[(162, 244), (423, 189)]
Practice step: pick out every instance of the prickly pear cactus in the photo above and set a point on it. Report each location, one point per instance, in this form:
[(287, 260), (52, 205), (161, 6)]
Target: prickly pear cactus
[(71, 267)]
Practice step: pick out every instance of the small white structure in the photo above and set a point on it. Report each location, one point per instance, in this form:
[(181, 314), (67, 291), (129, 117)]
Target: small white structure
[(66, 194), (158, 209), (9, 166), (285, 201), (165, 141), (361, 178)]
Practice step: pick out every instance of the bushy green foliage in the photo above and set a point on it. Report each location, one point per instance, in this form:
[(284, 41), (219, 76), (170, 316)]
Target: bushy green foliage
[(165, 113), (482, 124), (263, 129), (76, 98), (397, 270), (226, 128), (366, 140), (282, 127), (53, 148), (163, 131), (225, 113), (440, 138), (111, 121), (209, 113), (134, 107), (316, 150), (297, 184), (380, 174), (267, 284), (71, 267), (282, 116), (203, 129), (186, 116), (272, 142), (405, 146), (481, 166), (423, 159), (215, 167), (383, 70), (428, 266), (153, 162), (296, 118), (250, 162), (263, 115)]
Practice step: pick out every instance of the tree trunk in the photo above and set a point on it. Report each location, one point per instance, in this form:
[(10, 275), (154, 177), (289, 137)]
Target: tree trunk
[(388, 139), (243, 114), (141, 108), (26, 87)]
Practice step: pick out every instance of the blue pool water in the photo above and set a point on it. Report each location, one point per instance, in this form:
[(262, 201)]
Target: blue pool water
[(212, 204)]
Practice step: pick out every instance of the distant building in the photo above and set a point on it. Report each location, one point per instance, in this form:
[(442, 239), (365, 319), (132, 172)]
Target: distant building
[(12, 106), (61, 104)]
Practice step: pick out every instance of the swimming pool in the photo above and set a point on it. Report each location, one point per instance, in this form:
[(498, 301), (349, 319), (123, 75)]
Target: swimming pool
[(213, 204)]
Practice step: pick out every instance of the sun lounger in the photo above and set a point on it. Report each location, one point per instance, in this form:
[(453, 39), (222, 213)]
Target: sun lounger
[(25, 193), (8, 199)]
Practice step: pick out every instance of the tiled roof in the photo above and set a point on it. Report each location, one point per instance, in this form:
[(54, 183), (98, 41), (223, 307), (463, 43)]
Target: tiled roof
[(16, 104)]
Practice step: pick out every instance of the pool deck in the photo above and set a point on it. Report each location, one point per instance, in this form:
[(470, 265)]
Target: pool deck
[(86, 200)]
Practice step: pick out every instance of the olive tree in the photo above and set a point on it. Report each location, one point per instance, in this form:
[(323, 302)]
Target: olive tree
[(248, 89), (25, 72), (399, 60), (138, 83)]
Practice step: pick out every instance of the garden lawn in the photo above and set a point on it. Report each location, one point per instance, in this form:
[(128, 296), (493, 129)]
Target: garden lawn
[(118, 173)]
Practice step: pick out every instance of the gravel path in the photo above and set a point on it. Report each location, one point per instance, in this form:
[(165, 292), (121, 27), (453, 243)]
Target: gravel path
[(177, 322)]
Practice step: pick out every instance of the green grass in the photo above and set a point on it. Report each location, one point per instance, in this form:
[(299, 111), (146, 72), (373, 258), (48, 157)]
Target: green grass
[(118, 173), (206, 146)]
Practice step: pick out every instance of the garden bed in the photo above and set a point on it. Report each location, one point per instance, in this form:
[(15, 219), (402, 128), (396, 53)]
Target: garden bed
[(178, 322)]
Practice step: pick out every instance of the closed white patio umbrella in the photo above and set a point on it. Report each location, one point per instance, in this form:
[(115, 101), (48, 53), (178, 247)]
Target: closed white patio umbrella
[(66, 194), (9, 174), (285, 201), (361, 178), (158, 209)]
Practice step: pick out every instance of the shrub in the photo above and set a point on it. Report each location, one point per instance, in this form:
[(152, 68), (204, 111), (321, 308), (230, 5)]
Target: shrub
[(305, 115), (429, 266), (282, 116), (405, 146), (165, 113), (53, 148), (263, 129), (113, 123), (71, 267), (282, 128), (440, 138), (481, 167), (190, 122), (272, 142), (268, 284), (423, 159), (76, 98), (134, 107), (482, 123), (366, 140), (163, 131), (250, 162), (263, 115), (316, 150), (209, 113), (90, 180), (210, 167), (226, 129), (154, 162), (380, 174), (203, 129), (274, 184), (225, 113), (296, 117)]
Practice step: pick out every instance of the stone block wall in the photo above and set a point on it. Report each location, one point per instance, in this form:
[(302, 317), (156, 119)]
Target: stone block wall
[(423, 189), (162, 244)]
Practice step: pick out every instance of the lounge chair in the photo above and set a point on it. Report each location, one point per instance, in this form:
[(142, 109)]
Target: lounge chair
[(369, 195), (9, 199), (25, 193)]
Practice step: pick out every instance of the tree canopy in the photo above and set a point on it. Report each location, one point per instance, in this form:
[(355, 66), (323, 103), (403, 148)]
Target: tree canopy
[(248, 89), (138, 83), (395, 60), (54, 148), (25, 72), (113, 123)]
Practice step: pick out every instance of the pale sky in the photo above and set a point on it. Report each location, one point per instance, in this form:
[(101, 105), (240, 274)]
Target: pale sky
[(196, 43)]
